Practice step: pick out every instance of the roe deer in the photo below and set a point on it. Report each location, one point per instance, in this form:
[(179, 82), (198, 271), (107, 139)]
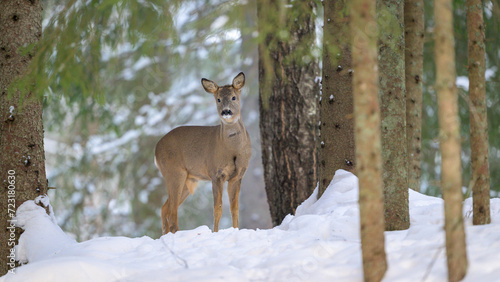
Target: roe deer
[(218, 153)]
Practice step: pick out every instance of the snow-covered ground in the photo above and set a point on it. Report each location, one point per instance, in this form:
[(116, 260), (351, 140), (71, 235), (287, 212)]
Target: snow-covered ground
[(320, 243)]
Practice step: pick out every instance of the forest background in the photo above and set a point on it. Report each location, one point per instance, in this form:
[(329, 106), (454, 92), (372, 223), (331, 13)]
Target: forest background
[(144, 63)]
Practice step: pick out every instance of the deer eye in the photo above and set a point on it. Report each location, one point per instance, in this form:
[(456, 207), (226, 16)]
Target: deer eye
[(234, 98), (218, 100)]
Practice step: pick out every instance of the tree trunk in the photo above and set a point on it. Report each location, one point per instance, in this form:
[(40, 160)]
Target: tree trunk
[(288, 111), (336, 150), (414, 69), (449, 138), (22, 161), (477, 110), (393, 113), (367, 137)]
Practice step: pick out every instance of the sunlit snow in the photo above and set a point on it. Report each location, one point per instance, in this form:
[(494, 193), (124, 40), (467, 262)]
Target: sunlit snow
[(319, 243)]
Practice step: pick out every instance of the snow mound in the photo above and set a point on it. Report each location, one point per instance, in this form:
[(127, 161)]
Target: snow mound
[(319, 243), (336, 213), (42, 237)]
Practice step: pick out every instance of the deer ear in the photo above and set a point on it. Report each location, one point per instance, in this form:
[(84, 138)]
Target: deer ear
[(239, 81), (209, 85)]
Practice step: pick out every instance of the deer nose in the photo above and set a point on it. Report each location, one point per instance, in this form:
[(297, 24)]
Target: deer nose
[(226, 113)]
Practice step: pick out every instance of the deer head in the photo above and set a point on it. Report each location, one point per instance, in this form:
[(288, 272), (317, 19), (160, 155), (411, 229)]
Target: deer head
[(227, 98)]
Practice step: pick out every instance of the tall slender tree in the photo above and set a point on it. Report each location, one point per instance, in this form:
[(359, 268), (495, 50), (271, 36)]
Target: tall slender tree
[(288, 110), (336, 150), (390, 18), (477, 111), (22, 161), (414, 69), (449, 138), (367, 137)]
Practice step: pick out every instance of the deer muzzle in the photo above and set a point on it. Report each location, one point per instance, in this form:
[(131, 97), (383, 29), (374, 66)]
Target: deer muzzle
[(226, 113)]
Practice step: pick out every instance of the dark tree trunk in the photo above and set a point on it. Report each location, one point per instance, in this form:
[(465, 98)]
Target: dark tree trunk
[(288, 111), (414, 69), (477, 111), (449, 140), (393, 113), (368, 139), (22, 161), (336, 150)]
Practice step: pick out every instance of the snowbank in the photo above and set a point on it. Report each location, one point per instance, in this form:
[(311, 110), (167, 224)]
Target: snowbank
[(42, 236), (320, 243)]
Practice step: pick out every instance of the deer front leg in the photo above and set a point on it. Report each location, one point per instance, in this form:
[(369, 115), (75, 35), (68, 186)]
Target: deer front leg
[(217, 190), (233, 191)]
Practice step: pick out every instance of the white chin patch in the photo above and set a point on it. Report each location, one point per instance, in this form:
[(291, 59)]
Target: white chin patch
[(227, 119)]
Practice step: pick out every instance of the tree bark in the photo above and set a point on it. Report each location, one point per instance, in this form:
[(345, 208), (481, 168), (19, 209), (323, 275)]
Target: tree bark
[(337, 149), (478, 117), (449, 137), (368, 139), (288, 110), (414, 69), (393, 113), (22, 162)]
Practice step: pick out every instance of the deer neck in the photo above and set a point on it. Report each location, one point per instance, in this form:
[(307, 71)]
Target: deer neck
[(233, 132)]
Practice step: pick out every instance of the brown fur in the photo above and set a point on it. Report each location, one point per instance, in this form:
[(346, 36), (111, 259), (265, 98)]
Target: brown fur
[(217, 153)]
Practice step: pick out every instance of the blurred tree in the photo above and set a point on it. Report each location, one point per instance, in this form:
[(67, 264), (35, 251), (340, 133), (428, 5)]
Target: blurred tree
[(22, 162), (92, 49), (477, 110), (390, 18), (336, 150), (491, 12), (449, 140), (414, 59), (368, 139), (430, 146), (254, 209), (149, 90), (288, 111)]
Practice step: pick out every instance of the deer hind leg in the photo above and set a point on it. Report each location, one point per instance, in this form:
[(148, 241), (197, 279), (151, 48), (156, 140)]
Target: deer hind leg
[(175, 184), (164, 217), (233, 191), (189, 188)]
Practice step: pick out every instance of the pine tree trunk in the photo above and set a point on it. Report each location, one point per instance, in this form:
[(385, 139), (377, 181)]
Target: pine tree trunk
[(449, 138), (414, 69), (288, 110), (368, 139), (477, 111), (393, 113), (336, 150), (22, 161)]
